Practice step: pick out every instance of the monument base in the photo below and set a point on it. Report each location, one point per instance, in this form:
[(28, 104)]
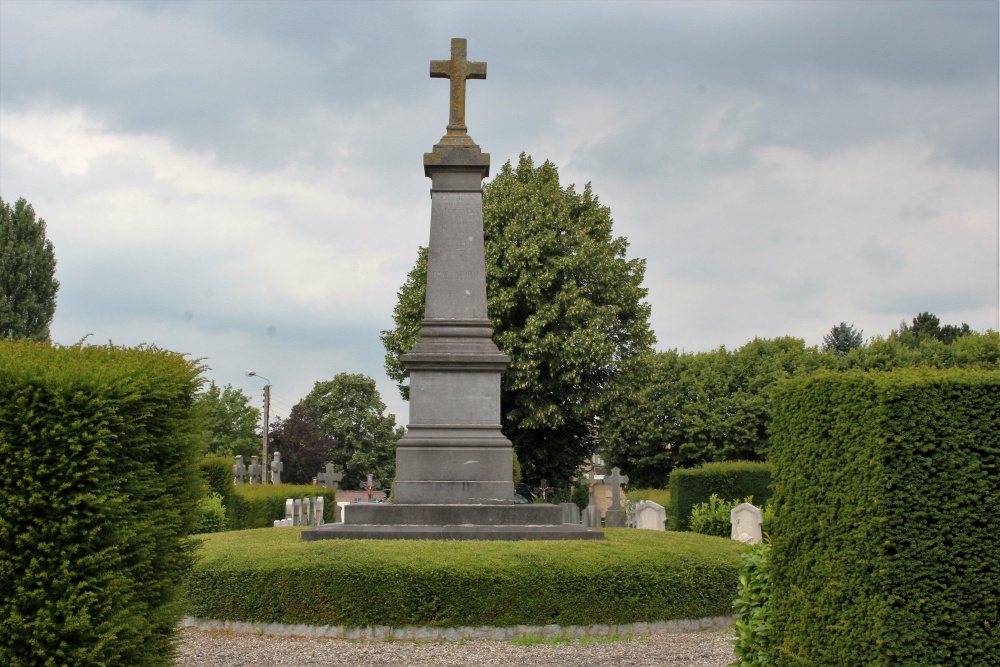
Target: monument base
[(452, 522)]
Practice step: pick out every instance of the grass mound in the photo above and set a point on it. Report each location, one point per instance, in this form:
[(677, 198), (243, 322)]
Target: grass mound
[(270, 576)]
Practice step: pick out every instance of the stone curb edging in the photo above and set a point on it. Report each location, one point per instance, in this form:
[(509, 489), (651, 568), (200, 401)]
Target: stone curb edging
[(424, 633)]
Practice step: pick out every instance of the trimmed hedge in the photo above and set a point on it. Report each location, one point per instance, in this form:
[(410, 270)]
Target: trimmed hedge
[(272, 576), (98, 489), (730, 480), (254, 506), (887, 536)]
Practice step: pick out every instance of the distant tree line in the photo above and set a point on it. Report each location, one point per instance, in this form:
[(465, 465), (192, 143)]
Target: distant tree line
[(697, 407)]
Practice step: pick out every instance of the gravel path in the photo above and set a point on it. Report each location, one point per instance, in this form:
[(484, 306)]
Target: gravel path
[(203, 648)]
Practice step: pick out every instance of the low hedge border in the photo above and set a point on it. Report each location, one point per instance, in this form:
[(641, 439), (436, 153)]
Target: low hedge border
[(487, 633), (633, 576)]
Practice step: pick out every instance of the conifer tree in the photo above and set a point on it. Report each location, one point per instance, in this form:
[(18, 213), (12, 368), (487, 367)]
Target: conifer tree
[(27, 274)]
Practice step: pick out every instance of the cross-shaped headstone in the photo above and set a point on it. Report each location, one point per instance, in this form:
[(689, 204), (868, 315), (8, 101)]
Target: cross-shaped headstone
[(254, 470), (458, 69), (329, 479), (239, 470), (276, 467), (615, 516), (545, 489), (369, 485), (617, 479)]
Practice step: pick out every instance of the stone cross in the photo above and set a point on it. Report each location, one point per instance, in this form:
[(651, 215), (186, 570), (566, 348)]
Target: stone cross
[(545, 489), (458, 69), (329, 479), (254, 470), (276, 467), (617, 480), (615, 516), (239, 470)]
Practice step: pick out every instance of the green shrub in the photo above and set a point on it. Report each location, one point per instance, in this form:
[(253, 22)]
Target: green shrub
[(259, 505), (885, 548), (217, 471), (754, 645), (730, 480), (97, 492), (211, 514), (714, 517), (631, 576)]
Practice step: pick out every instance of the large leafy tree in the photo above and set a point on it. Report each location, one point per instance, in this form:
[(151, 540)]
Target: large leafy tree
[(305, 447), (351, 414), (842, 339), (566, 305), (231, 421), (704, 406), (27, 273)]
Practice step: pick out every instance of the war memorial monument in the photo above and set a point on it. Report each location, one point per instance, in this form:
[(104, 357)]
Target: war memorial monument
[(454, 466)]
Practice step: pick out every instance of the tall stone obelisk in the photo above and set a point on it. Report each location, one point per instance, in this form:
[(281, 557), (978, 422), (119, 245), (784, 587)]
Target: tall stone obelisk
[(454, 467), (454, 451)]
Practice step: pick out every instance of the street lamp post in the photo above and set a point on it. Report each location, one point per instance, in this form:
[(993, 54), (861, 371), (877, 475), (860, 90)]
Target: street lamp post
[(267, 412)]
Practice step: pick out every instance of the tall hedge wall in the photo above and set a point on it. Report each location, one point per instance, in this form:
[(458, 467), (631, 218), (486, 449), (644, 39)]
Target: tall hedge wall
[(731, 480), (255, 506), (887, 537), (97, 490)]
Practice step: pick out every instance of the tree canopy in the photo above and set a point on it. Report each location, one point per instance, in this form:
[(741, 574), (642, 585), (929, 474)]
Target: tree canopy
[(928, 326), (565, 303), (697, 407), (231, 421), (305, 447), (27, 273), (351, 420)]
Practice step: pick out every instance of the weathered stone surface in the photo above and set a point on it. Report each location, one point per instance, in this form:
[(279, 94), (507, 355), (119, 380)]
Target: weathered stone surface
[(746, 522), (650, 515)]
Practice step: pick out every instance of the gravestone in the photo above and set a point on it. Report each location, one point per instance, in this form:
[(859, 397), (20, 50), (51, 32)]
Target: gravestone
[(306, 511), (545, 489), (297, 511), (746, 522), (650, 515), (276, 467), (239, 470), (592, 514), (571, 513), (254, 470), (329, 479), (615, 517), (454, 466), (290, 510), (318, 505)]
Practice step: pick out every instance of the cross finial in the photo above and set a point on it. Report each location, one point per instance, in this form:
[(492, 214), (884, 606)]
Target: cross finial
[(458, 69)]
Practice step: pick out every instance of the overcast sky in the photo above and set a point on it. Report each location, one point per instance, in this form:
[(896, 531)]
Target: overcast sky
[(243, 181)]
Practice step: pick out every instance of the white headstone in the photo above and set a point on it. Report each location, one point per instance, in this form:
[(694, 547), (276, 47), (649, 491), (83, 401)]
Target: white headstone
[(290, 509), (650, 515), (746, 520), (297, 515), (318, 511)]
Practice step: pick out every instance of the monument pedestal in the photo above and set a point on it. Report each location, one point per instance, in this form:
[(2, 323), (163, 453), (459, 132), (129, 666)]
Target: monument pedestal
[(454, 467)]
